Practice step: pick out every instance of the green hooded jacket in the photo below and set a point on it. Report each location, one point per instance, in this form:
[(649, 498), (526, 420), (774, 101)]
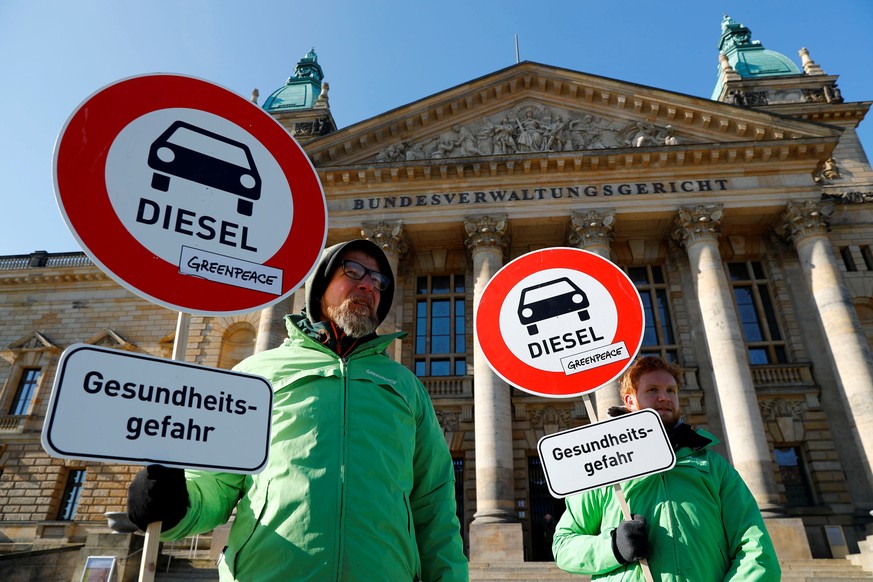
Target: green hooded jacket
[(702, 521), (359, 484)]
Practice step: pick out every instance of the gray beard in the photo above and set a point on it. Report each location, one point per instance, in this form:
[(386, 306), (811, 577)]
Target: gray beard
[(351, 319)]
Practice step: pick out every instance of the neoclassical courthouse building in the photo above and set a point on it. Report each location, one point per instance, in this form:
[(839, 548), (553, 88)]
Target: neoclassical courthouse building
[(745, 221)]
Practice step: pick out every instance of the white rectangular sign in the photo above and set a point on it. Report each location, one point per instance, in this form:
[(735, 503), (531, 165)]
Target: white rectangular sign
[(110, 405), (615, 450), (230, 271)]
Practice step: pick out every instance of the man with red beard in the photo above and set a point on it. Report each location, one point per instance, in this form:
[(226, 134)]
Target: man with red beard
[(696, 522), (359, 484)]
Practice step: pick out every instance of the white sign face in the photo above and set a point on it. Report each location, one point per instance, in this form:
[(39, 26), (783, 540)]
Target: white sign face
[(109, 405), (559, 322), (190, 195), (615, 450)]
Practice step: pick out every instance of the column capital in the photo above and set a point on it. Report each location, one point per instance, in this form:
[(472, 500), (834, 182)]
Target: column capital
[(803, 219), (697, 223), (388, 236), (592, 228), (484, 232)]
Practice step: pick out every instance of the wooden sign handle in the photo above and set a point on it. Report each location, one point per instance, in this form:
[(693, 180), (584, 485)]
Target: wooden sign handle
[(149, 564)]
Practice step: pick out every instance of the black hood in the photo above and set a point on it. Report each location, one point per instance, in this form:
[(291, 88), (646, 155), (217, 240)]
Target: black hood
[(329, 262)]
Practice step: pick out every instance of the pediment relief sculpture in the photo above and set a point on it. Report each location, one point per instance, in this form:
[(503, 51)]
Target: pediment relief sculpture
[(531, 128)]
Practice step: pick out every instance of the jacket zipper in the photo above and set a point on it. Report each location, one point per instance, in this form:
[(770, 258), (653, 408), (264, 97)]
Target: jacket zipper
[(342, 466)]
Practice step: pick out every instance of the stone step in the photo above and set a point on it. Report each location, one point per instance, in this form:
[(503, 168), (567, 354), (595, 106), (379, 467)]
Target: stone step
[(524, 572), (819, 570), (823, 568), (181, 569)]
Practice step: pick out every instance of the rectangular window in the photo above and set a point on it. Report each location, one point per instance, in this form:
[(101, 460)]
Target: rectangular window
[(757, 313), (867, 254), (659, 338), (70, 500), (846, 253), (440, 326), (24, 393), (792, 468)]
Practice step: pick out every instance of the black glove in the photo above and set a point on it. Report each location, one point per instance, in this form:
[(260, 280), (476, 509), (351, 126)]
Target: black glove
[(630, 541), (157, 493)]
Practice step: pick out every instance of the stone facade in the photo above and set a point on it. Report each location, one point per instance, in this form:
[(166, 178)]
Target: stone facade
[(718, 210)]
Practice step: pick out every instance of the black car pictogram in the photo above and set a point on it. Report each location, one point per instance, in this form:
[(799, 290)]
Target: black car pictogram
[(551, 299), (193, 153)]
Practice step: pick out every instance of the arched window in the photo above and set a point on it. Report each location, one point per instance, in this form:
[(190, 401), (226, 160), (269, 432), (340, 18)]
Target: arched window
[(237, 343)]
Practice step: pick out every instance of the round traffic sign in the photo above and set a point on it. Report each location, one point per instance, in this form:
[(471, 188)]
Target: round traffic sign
[(559, 322), (189, 195)]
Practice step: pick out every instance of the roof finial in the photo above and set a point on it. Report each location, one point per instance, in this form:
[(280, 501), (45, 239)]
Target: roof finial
[(809, 66)]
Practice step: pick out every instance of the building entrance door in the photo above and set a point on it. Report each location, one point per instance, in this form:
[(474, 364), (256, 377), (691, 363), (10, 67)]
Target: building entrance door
[(545, 511)]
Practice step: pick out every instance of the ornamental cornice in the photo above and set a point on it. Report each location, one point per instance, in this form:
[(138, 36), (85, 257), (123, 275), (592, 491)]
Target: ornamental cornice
[(698, 223), (862, 196), (718, 156), (834, 113), (804, 219), (11, 278), (486, 232)]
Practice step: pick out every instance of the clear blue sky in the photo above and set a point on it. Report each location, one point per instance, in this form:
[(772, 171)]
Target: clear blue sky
[(376, 55)]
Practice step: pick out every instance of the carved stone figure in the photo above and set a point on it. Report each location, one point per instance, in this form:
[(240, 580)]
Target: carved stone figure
[(530, 133), (392, 153), (504, 142), (466, 142), (830, 171), (444, 148), (555, 136)]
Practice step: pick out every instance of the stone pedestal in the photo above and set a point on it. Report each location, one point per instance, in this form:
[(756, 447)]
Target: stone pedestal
[(789, 538), (126, 548), (496, 542)]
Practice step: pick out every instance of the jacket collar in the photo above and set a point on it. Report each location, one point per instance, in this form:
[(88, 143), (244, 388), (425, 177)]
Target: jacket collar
[(681, 435), (324, 334)]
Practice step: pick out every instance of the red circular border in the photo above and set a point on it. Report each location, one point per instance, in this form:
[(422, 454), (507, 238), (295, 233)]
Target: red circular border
[(542, 382), (80, 164)]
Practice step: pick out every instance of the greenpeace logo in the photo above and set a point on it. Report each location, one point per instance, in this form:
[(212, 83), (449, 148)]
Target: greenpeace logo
[(383, 378)]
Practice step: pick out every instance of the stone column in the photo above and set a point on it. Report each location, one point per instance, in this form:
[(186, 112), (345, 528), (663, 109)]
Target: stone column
[(806, 225), (391, 238), (698, 230), (592, 231), (271, 327), (494, 534)]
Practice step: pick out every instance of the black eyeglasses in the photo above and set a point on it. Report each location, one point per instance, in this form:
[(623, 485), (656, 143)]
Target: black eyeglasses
[(356, 271)]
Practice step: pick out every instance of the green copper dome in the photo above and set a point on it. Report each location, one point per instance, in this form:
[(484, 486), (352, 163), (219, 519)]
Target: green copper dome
[(301, 90), (748, 57)]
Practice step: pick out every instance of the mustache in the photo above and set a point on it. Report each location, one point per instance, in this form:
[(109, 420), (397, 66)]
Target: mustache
[(361, 299)]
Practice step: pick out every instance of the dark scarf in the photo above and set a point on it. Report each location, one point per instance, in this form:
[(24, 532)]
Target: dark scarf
[(680, 434), (328, 334)]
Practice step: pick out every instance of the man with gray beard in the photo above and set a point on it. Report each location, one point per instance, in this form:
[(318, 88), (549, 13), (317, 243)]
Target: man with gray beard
[(359, 484)]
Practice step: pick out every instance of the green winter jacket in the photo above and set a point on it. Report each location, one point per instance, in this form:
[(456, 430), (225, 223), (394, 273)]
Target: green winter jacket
[(359, 484), (702, 521)]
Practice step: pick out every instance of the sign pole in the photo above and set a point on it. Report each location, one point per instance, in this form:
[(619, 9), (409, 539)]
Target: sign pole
[(619, 493), (149, 563)]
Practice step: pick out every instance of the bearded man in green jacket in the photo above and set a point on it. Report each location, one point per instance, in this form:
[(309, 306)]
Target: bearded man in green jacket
[(697, 522), (359, 484)]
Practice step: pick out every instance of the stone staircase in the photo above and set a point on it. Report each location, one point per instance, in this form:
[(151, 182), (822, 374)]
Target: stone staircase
[(821, 570)]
